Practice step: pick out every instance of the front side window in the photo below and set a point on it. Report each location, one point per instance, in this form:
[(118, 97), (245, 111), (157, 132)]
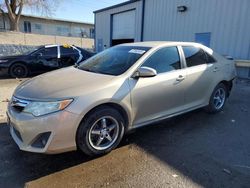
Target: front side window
[(114, 61), (164, 60), (194, 56), (51, 51)]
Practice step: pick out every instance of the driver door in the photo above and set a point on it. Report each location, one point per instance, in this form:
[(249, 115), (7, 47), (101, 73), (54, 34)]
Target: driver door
[(47, 59), (156, 97)]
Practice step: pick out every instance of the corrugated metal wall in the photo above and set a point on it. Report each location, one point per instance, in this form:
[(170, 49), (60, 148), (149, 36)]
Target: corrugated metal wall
[(227, 20), (103, 23)]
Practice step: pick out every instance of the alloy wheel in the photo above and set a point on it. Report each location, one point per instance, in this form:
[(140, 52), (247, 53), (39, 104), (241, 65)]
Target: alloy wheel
[(219, 98), (103, 133)]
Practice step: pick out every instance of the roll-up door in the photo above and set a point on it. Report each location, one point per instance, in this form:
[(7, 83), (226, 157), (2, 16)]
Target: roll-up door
[(123, 28)]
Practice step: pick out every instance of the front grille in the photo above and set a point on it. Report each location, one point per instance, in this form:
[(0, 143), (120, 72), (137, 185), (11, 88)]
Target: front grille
[(18, 104)]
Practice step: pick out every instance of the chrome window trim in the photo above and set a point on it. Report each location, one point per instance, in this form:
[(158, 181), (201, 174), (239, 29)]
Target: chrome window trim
[(58, 52)]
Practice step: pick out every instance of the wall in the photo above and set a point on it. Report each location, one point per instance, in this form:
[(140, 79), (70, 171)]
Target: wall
[(227, 20), (13, 49), (103, 22), (243, 68), (36, 40), (50, 26)]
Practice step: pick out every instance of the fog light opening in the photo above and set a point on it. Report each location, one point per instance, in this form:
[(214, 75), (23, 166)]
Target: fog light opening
[(41, 140)]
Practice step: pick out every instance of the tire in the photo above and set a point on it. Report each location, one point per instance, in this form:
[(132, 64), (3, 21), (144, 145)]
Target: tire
[(93, 138), (218, 99), (18, 70)]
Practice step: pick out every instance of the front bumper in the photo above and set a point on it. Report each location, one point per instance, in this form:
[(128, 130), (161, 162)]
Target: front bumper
[(52, 133), (4, 70)]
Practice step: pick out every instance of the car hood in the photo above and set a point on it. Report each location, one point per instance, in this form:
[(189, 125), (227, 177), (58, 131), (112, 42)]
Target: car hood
[(12, 57), (62, 83)]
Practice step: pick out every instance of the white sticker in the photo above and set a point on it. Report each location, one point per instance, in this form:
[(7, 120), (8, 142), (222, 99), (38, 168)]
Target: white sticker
[(136, 51)]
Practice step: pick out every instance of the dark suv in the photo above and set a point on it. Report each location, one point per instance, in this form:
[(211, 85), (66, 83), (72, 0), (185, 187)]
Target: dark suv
[(43, 59)]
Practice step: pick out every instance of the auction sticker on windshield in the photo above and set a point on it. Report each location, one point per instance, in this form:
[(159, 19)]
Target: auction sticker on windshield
[(136, 51)]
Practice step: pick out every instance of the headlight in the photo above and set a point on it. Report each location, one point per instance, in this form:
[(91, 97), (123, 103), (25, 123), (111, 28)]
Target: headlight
[(3, 60), (43, 108)]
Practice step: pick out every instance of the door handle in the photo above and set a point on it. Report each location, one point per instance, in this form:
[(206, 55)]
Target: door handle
[(180, 78)]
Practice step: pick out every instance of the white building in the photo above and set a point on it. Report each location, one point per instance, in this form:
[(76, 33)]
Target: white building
[(50, 26), (223, 25)]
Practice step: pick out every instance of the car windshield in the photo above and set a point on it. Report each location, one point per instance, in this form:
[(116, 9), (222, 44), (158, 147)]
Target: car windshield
[(114, 61), (29, 52)]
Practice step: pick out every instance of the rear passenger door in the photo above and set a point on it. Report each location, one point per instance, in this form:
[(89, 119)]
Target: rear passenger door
[(68, 56), (201, 76)]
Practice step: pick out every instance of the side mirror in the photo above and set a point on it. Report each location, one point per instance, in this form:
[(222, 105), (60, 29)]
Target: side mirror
[(39, 55), (145, 72)]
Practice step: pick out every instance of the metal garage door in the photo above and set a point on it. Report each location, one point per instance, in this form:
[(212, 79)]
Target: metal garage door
[(123, 25)]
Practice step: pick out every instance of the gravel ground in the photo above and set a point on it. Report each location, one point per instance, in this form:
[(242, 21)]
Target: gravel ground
[(7, 87), (192, 150)]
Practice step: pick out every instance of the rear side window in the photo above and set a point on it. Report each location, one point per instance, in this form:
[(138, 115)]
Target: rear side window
[(194, 56), (85, 54), (67, 50), (164, 60)]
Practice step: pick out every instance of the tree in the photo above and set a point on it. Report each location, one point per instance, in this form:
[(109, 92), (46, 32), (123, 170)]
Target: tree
[(15, 7)]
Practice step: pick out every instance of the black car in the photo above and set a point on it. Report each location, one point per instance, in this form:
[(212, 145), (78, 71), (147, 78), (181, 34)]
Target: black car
[(43, 59)]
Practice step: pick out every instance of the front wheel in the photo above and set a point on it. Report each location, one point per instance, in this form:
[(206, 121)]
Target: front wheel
[(217, 99), (100, 132), (18, 70)]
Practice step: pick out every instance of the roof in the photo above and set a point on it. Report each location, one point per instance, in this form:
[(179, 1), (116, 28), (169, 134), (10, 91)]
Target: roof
[(153, 44), (115, 6), (159, 43), (57, 19)]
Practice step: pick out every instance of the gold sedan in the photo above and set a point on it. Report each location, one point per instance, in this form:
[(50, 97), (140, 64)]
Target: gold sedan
[(91, 106)]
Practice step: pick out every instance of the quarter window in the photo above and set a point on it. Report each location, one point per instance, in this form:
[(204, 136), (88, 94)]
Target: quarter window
[(164, 60), (194, 56), (210, 59)]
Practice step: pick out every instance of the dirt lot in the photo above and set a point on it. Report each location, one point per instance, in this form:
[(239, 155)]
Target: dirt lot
[(7, 86), (192, 150)]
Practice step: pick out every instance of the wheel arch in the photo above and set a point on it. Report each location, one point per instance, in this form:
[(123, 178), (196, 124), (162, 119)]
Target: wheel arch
[(114, 105), (228, 84), (18, 62)]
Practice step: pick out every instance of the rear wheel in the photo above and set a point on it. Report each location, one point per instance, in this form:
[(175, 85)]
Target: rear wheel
[(18, 70), (217, 99), (100, 132)]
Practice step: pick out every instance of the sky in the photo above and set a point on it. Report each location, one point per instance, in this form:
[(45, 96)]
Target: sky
[(78, 10)]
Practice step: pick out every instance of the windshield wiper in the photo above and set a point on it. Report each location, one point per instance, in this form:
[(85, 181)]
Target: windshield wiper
[(88, 70), (91, 70)]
